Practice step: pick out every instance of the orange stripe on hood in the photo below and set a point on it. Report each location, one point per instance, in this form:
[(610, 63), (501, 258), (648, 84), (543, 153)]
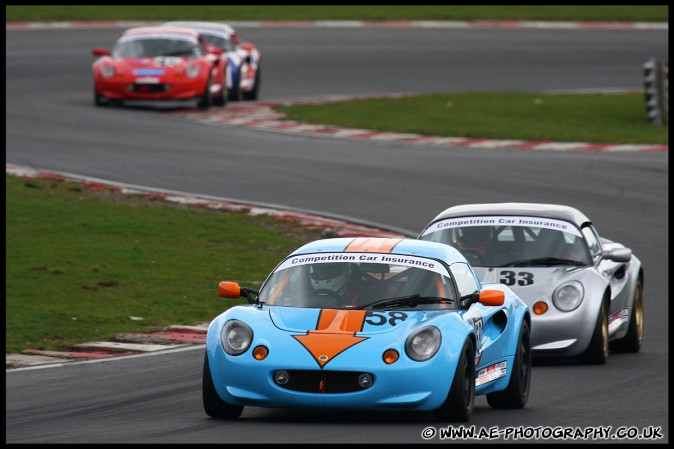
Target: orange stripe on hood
[(340, 321), (335, 333), (372, 244)]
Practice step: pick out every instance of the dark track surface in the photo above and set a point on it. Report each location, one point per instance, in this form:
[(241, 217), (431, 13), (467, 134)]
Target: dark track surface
[(52, 124)]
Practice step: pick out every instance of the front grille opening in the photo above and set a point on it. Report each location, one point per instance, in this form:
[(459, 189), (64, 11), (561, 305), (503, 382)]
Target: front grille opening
[(149, 88), (314, 381)]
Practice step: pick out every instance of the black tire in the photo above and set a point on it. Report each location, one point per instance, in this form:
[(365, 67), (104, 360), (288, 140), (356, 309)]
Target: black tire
[(235, 92), (631, 342), (516, 394), (99, 100), (597, 351), (458, 407), (206, 99), (213, 405), (221, 98), (255, 91)]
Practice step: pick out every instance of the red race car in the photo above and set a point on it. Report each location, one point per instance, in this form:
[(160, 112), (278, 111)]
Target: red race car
[(160, 63)]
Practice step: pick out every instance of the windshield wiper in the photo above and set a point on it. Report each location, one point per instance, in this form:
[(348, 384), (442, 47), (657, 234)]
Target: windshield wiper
[(404, 301), (543, 261)]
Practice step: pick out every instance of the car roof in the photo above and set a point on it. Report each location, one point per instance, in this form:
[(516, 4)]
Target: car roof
[(543, 210), (399, 246), (201, 25), (162, 30)]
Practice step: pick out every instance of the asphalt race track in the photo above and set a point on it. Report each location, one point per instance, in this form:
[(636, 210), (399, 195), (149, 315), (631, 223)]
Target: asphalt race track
[(52, 124)]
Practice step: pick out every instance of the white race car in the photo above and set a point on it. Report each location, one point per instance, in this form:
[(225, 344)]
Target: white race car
[(585, 291), (243, 67)]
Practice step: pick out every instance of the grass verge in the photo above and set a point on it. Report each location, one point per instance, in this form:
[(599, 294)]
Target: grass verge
[(82, 265), (594, 118), (627, 13)]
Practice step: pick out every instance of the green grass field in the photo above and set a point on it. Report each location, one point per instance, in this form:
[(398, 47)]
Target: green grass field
[(649, 13), (595, 118), (80, 263)]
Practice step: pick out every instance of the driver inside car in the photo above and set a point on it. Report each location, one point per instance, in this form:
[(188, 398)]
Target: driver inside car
[(341, 281), (478, 245)]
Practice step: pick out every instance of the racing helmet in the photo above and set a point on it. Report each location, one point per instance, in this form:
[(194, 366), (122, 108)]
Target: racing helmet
[(474, 238), (329, 276)]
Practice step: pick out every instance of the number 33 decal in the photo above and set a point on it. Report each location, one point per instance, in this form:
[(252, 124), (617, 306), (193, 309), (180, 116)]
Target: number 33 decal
[(508, 278)]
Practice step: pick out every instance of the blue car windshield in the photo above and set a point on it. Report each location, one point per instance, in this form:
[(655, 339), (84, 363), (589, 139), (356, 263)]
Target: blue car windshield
[(344, 281), (512, 241)]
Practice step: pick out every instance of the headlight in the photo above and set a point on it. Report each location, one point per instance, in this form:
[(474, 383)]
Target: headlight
[(568, 296), (192, 70), (236, 337), (107, 71), (423, 344)]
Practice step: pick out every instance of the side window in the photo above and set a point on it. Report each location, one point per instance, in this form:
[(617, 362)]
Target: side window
[(592, 241), (465, 280)]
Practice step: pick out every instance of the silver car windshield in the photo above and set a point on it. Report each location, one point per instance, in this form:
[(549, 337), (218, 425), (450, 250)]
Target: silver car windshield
[(512, 241), (352, 280)]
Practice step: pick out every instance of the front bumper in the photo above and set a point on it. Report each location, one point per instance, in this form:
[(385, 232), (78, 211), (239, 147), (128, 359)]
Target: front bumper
[(562, 334), (180, 90), (405, 385)]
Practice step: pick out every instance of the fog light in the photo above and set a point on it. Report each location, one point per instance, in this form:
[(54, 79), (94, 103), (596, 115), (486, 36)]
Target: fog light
[(281, 377), (364, 380)]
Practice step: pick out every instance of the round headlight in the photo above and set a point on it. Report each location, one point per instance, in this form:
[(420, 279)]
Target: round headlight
[(192, 70), (107, 70), (423, 344), (568, 296), (236, 337)]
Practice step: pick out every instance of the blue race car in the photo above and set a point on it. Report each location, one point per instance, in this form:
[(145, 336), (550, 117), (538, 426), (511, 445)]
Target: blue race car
[(369, 323)]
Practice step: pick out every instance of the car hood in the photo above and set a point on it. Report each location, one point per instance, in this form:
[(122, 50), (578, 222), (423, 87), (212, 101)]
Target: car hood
[(335, 321), (531, 283), (150, 66)]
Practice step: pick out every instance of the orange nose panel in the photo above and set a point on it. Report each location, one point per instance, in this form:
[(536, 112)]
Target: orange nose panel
[(335, 333)]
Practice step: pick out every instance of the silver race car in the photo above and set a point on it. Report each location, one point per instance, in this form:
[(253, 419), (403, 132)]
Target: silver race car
[(586, 292)]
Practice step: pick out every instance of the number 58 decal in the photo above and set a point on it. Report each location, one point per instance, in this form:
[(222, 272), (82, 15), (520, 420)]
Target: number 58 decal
[(508, 278), (379, 319)]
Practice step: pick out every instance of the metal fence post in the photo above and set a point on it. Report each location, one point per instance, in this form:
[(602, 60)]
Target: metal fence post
[(656, 91)]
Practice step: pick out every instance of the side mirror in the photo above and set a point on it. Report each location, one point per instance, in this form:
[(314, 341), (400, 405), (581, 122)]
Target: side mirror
[(492, 298), (229, 290), (214, 50), (618, 255), (100, 52), (233, 290)]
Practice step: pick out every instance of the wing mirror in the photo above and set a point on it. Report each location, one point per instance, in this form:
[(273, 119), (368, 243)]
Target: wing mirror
[(100, 52), (214, 50), (492, 298), (618, 254), (233, 290)]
